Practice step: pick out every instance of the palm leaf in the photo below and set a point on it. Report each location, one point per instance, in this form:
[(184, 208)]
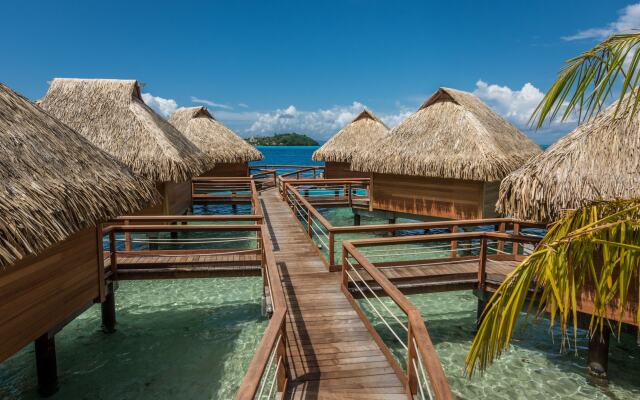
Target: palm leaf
[(586, 82), (594, 248)]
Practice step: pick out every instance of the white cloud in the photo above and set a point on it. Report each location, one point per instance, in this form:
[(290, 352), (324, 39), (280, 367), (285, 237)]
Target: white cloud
[(210, 103), (628, 21), (243, 105), (322, 123), (517, 107), (164, 107)]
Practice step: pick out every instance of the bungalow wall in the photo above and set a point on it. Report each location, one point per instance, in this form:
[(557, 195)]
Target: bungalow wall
[(240, 169), (176, 199), (435, 197), (341, 170), (40, 293)]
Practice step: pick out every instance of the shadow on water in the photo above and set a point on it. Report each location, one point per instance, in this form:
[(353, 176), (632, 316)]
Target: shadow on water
[(180, 351)]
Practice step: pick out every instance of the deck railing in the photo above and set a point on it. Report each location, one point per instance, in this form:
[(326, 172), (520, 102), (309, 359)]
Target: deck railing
[(211, 240), (299, 173), (263, 176), (232, 190), (363, 279), (267, 374), (328, 236)]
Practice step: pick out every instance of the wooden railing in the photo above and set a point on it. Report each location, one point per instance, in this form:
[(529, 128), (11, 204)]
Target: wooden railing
[(319, 228), (157, 237), (422, 371), (230, 190), (299, 173), (268, 369)]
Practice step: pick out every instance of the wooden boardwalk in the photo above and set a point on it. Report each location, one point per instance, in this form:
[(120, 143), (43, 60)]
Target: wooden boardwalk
[(331, 353)]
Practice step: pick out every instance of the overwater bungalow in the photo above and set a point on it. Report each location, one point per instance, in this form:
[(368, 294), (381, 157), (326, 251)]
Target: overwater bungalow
[(55, 191), (113, 116), (230, 153), (337, 152), (446, 160)]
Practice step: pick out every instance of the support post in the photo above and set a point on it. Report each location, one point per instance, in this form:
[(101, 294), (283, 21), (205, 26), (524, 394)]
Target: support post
[(482, 304), (108, 308), (483, 264), (356, 219), (46, 365), (332, 249), (392, 221), (174, 234), (516, 231), (598, 358), (501, 228), (454, 243)]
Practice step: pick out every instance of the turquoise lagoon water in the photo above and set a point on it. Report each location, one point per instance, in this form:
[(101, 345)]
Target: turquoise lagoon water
[(175, 339)]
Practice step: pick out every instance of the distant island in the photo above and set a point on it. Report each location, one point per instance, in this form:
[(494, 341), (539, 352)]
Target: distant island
[(283, 139)]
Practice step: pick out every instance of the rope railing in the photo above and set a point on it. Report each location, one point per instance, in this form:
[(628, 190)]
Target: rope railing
[(268, 367), (421, 367), (417, 344)]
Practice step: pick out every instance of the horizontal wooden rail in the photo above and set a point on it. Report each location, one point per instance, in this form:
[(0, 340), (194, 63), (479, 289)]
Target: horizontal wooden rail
[(416, 330), (186, 218), (272, 347)]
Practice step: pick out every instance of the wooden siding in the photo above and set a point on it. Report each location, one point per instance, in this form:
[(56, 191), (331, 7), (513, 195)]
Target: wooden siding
[(177, 197), (228, 169), (435, 197), (341, 170), (39, 293)]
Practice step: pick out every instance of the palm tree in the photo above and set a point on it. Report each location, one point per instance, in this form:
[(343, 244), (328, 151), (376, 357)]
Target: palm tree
[(595, 247)]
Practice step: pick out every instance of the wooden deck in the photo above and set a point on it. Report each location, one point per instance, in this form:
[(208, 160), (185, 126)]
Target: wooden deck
[(331, 353), (147, 265)]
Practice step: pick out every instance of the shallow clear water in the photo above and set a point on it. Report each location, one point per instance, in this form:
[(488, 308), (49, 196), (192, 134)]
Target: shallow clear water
[(176, 339), (533, 368)]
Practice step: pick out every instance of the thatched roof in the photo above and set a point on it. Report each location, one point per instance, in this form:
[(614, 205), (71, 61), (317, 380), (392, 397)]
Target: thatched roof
[(54, 181), (221, 143), (452, 135), (113, 116), (599, 160), (364, 130)]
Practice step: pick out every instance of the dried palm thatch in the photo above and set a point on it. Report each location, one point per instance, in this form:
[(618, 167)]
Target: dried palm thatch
[(113, 116), (54, 181), (363, 131), (599, 160), (453, 135), (216, 140)]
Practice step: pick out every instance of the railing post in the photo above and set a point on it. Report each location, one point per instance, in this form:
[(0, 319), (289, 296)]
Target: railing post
[(516, 231), (331, 249), (483, 263), (112, 253), (309, 222), (412, 374), (345, 278), (501, 229), (281, 375), (127, 238), (349, 196), (454, 243)]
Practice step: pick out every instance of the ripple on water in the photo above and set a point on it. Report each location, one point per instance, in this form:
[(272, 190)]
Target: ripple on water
[(176, 339)]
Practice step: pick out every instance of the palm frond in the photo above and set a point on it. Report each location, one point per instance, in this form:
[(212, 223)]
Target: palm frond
[(587, 81), (594, 250)]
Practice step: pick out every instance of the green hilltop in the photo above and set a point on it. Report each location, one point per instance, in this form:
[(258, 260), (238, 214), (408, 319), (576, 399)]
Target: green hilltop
[(283, 139)]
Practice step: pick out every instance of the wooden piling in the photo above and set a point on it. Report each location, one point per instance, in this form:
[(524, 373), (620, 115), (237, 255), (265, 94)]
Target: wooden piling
[(46, 365), (598, 358), (108, 308)]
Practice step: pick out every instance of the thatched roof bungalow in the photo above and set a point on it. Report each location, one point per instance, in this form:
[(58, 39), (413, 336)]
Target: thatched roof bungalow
[(113, 116), (445, 160), (337, 152), (56, 189), (230, 153), (599, 160)]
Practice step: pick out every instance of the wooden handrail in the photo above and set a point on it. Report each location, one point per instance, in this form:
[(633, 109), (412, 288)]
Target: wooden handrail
[(185, 218), (176, 228), (275, 332), (417, 328)]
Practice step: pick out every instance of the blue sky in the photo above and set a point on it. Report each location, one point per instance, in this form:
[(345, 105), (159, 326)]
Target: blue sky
[(265, 67)]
